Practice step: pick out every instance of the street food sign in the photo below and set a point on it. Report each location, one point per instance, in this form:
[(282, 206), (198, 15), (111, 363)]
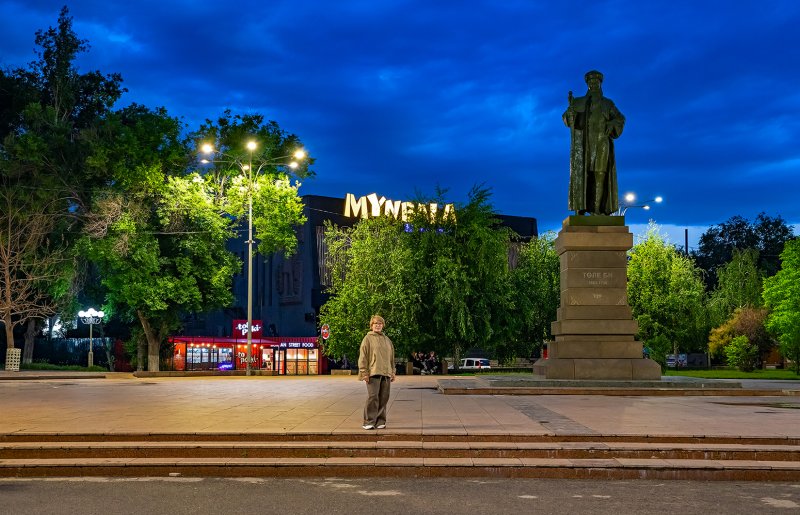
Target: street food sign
[(325, 331)]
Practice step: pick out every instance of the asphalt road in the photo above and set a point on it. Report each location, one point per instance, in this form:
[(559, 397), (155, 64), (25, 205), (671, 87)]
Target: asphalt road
[(196, 496)]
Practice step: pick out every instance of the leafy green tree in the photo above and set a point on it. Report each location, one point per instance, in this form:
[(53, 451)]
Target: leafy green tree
[(48, 116), (441, 283), (276, 171), (535, 282), (372, 272), (157, 234), (666, 293), (766, 234), (782, 297), (466, 296), (739, 285)]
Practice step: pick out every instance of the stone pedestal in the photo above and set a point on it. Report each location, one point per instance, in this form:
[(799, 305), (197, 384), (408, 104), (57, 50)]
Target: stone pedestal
[(594, 331)]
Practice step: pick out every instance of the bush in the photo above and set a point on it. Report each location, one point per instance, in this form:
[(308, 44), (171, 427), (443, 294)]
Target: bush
[(741, 354), (659, 346)]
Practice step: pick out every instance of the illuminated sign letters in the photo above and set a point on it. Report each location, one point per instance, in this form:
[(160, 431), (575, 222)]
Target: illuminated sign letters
[(371, 206)]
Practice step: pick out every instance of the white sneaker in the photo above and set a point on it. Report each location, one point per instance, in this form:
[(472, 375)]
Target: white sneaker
[(381, 426), (368, 426)]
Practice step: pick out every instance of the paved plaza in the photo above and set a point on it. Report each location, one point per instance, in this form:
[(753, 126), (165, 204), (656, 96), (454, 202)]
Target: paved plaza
[(122, 403)]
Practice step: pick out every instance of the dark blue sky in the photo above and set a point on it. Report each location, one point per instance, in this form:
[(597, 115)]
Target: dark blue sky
[(399, 96)]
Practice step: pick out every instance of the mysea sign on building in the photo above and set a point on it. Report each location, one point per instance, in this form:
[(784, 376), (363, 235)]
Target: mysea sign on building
[(372, 206)]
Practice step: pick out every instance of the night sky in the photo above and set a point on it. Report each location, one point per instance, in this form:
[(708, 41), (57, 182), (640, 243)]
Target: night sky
[(398, 97)]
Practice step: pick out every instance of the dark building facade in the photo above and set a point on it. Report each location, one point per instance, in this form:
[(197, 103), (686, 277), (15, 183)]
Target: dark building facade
[(289, 291)]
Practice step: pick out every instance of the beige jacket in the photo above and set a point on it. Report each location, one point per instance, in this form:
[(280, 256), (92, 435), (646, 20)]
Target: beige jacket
[(376, 357)]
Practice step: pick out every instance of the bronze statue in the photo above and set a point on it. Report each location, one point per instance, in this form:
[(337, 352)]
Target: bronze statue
[(594, 121)]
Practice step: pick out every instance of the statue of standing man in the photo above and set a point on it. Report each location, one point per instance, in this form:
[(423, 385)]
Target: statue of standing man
[(594, 123)]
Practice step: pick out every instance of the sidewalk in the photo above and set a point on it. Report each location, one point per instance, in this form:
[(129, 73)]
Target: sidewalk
[(332, 405)]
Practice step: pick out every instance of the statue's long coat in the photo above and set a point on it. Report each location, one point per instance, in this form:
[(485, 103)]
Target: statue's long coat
[(580, 199)]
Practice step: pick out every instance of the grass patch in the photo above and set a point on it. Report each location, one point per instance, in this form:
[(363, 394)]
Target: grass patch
[(68, 368), (735, 374)]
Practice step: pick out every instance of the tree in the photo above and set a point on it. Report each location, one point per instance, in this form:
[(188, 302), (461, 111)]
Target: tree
[(277, 207), (157, 234), (782, 297), (748, 322), (741, 354), (441, 283), (372, 272), (765, 234), (35, 271), (48, 116), (739, 286), (666, 293), (466, 296), (535, 282)]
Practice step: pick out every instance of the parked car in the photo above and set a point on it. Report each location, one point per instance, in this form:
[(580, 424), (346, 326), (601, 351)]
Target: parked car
[(473, 364)]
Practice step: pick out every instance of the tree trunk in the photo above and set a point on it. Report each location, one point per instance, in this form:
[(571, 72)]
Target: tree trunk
[(108, 345), (30, 340), (153, 344), (9, 330), (140, 352)]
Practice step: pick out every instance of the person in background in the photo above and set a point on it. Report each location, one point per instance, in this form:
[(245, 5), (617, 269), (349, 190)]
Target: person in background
[(376, 368)]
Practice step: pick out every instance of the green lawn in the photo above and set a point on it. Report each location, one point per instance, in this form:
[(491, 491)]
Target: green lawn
[(735, 374), (38, 365)]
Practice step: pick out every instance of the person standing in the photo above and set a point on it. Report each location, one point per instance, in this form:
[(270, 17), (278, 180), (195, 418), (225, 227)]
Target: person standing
[(594, 123), (376, 368)]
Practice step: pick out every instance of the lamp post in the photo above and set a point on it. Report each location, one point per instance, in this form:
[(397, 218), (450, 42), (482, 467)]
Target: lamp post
[(247, 170), (91, 317), (630, 198)]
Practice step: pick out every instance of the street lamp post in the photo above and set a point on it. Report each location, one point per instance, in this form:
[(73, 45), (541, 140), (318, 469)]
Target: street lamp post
[(91, 317), (247, 168), (251, 146)]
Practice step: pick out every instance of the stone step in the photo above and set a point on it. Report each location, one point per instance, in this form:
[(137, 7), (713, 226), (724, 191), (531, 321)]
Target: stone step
[(397, 449), (610, 468), (385, 436)]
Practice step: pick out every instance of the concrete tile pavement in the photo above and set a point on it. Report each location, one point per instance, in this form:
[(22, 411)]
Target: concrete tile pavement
[(121, 403)]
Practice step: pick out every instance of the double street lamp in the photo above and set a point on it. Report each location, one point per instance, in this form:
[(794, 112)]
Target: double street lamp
[(247, 171), (629, 200), (91, 317)]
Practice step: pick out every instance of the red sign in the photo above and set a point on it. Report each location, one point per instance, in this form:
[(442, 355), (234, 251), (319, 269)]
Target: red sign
[(325, 331), (240, 328)]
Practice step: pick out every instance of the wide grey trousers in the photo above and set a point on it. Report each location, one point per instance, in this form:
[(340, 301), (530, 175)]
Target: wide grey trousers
[(377, 399)]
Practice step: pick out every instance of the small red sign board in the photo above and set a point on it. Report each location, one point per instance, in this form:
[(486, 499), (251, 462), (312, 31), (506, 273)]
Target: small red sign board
[(325, 331)]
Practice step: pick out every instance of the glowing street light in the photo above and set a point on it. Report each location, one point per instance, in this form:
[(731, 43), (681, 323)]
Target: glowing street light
[(91, 317), (247, 170), (630, 198)]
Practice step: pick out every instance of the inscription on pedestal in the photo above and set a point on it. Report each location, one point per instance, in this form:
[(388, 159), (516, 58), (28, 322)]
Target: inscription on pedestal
[(595, 278), (595, 297)]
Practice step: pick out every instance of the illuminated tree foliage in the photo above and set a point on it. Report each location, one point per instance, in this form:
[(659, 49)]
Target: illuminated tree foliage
[(739, 285), (666, 293), (441, 284), (782, 297)]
